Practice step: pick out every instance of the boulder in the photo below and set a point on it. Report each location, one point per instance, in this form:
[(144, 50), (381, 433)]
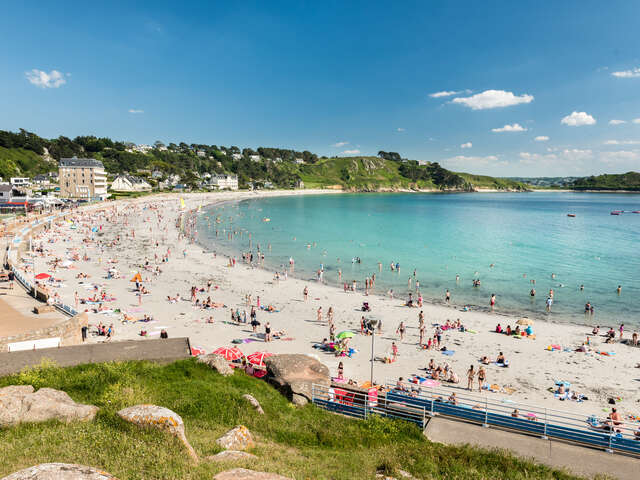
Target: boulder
[(244, 474), (60, 471), (252, 400), (19, 403), (294, 375), (217, 363), (238, 438), (231, 455), (158, 417)]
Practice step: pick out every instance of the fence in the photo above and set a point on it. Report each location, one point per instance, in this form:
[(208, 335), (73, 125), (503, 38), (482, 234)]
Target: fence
[(417, 404)]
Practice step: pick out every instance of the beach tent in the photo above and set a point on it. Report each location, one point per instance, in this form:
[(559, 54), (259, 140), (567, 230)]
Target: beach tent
[(137, 278)]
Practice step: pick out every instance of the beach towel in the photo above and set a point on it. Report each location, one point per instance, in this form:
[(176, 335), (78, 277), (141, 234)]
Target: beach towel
[(448, 352)]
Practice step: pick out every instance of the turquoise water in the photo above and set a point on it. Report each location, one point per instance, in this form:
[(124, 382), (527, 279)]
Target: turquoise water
[(444, 235)]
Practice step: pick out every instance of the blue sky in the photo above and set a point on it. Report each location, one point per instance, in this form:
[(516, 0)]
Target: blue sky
[(334, 77)]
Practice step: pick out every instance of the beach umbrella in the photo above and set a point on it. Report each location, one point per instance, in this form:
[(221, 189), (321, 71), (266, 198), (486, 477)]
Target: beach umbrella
[(524, 321), (42, 276), (195, 351), (258, 358), (345, 334), (229, 354), (67, 263)]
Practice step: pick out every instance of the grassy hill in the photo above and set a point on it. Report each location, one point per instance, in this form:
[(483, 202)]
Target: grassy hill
[(17, 162), (625, 181), (297, 442)]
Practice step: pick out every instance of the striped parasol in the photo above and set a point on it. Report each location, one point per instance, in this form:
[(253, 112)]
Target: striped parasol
[(258, 358), (229, 353)]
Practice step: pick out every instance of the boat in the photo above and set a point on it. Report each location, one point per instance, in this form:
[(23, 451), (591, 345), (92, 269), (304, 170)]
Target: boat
[(616, 212), (636, 211), (571, 214)]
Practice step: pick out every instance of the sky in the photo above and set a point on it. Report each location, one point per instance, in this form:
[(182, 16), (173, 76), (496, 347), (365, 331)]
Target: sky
[(541, 88)]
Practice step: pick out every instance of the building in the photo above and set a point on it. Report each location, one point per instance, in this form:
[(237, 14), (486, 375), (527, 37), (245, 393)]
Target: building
[(82, 178), (223, 182), (6, 192), (254, 158), (236, 156), (201, 153), (20, 181), (129, 183)]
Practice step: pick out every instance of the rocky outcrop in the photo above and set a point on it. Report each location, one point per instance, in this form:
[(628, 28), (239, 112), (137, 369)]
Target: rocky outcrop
[(238, 438), (252, 400), (153, 416), (244, 474), (295, 374), (20, 403), (217, 363), (60, 471), (230, 456)]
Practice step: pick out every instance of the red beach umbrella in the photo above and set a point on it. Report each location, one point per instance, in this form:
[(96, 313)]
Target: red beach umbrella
[(42, 276), (195, 351), (258, 358), (229, 354)]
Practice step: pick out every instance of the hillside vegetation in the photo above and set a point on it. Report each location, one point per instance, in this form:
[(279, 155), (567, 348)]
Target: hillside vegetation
[(296, 442), (24, 153), (625, 181)]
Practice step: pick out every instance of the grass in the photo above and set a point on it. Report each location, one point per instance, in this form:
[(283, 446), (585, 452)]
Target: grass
[(17, 162), (296, 442)]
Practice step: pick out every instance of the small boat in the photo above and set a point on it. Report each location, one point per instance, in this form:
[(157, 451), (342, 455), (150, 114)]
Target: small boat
[(266, 219), (616, 212), (636, 211), (571, 215)]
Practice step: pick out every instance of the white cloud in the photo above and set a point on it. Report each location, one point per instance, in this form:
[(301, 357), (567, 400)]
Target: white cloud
[(470, 163), (466, 145), (493, 99), (578, 119), (576, 154), (133, 110), (541, 138), (516, 127), (448, 93), (622, 142), (340, 144), (633, 73), (617, 122), (351, 152), (42, 79), (636, 120), (620, 156), (400, 129)]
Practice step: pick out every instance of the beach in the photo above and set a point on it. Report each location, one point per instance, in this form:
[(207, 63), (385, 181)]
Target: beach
[(133, 236)]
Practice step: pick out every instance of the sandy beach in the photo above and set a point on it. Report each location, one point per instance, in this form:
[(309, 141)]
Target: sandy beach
[(127, 234)]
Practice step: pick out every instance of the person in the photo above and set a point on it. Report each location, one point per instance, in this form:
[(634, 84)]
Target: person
[(470, 374), (498, 328), (110, 332), (267, 332), (453, 399), (447, 297), (453, 378), (532, 293), (84, 332), (164, 334), (11, 276), (634, 339), (485, 360), (482, 376), (549, 303), (394, 350), (501, 360), (401, 329), (529, 330), (492, 302), (305, 293), (619, 289), (340, 371), (515, 413), (596, 330), (621, 330), (614, 419)]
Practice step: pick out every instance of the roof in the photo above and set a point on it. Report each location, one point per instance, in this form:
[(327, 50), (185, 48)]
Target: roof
[(131, 179), (81, 162), (6, 188)]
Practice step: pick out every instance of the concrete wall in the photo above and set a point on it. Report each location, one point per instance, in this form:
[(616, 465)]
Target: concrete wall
[(578, 460), (68, 329), (157, 350)]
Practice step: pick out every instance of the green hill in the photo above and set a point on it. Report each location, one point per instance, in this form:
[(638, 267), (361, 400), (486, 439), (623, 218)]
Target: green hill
[(302, 443), (22, 153), (629, 181)]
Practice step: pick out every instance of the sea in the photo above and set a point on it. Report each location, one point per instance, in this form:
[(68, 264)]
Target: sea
[(505, 240)]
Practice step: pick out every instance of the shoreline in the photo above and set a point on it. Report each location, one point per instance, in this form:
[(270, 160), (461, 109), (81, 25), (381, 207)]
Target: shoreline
[(533, 369)]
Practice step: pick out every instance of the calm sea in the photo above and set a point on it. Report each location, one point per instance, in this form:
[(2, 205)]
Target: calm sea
[(505, 240)]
